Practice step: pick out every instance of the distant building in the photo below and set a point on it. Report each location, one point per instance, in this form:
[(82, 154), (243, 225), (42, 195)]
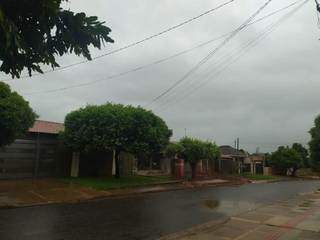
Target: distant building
[(40, 153), (231, 160), (255, 163)]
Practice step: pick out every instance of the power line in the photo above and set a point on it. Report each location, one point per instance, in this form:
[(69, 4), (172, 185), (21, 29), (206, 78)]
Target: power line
[(206, 58), (224, 59), (244, 49), (124, 73), (134, 43), (160, 60), (220, 68)]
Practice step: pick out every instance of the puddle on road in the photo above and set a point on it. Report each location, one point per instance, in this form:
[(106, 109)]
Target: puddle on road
[(210, 204)]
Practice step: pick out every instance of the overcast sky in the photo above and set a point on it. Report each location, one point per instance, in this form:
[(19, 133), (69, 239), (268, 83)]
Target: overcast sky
[(267, 97)]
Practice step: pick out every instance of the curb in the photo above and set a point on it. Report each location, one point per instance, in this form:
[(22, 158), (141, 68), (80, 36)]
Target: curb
[(282, 180), (126, 195), (213, 225)]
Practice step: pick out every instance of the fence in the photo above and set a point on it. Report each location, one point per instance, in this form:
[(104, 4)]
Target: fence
[(37, 156)]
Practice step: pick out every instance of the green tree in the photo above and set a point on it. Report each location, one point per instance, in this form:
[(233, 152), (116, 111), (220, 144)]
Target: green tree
[(314, 144), (212, 151), (173, 150), (194, 150), (286, 160), (303, 152), (33, 32), (16, 116), (267, 159), (115, 127)]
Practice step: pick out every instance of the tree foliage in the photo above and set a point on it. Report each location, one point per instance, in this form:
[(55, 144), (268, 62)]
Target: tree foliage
[(116, 127), (286, 160), (303, 152), (16, 116), (33, 32), (173, 150), (194, 150), (314, 144)]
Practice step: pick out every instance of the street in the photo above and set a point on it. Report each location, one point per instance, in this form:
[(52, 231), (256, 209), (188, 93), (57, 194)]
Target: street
[(142, 217)]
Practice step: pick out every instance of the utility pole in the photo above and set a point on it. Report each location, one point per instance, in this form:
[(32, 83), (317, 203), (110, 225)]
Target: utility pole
[(237, 159), (185, 132), (238, 143)]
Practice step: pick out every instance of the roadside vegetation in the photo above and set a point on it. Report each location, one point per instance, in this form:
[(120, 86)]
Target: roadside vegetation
[(257, 177), (314, 145), (286, 161), (118, 128), (16, 115), (104, 183), (193, 150), (289, 160)]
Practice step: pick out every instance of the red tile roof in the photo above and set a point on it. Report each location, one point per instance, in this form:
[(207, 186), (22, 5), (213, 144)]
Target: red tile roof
[(47, 127)]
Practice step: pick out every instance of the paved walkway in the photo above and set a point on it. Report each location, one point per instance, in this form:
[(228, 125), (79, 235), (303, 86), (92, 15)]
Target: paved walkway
[(295, 219)]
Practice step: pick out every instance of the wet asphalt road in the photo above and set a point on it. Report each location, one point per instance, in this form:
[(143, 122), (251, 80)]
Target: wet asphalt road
[(143, 217)]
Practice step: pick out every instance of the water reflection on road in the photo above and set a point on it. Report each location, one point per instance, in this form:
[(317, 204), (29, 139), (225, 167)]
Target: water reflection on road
[(144, 217)]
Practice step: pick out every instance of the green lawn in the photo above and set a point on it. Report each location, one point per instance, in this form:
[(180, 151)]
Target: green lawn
[(260, 177), (112, 183)]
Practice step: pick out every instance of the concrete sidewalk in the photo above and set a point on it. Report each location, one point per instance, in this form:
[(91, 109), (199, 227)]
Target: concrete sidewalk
[(22, 193), (295, 219)]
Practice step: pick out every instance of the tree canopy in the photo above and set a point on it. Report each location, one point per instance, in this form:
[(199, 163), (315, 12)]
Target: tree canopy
[(173, 150), (303, 152), (314, 144), (116, 127), (33, 32), (286, 160), (16, 116), (194, 150)]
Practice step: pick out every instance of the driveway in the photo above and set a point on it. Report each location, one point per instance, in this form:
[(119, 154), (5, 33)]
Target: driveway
[(142, 217)]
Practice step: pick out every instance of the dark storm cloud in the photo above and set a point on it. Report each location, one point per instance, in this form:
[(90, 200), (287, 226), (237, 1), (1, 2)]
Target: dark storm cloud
[(269, 97)]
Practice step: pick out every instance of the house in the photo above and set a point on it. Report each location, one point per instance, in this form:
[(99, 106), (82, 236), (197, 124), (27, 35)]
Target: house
[(231, 160), (46, 127), (41, 153), (37, 154), (255, 163)]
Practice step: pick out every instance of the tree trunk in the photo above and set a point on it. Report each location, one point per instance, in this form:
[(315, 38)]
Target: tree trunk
[(294, 171), (116, 155), (193, 171)]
